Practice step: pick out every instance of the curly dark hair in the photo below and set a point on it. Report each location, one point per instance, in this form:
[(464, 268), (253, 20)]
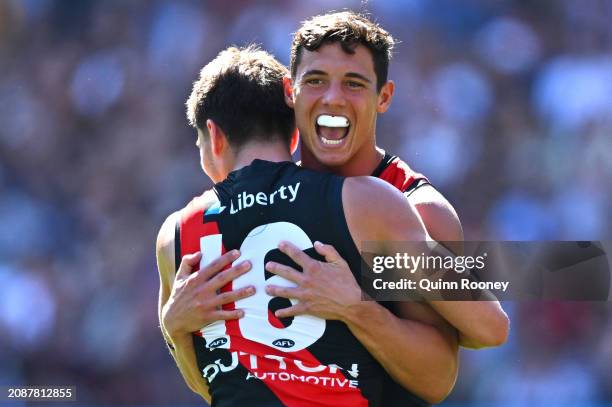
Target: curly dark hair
[(350, 29)]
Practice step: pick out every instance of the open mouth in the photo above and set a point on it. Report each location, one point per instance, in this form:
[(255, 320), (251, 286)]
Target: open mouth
[(332, 130)]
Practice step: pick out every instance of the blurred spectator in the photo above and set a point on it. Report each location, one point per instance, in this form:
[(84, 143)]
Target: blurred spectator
[(505, 105)]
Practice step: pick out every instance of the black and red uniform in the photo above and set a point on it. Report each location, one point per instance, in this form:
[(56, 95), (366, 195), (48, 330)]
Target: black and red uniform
[(260, 360)]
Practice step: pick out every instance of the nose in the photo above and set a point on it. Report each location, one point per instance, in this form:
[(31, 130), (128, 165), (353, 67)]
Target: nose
[(334, 95)]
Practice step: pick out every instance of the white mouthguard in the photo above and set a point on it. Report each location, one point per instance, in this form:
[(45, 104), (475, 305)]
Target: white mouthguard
[(332, 121)]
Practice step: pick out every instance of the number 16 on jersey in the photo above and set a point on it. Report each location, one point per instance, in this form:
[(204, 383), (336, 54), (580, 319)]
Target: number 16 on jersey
[(304, 330)]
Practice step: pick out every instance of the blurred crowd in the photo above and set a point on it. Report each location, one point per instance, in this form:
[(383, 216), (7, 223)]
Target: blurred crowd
[(506, 106)]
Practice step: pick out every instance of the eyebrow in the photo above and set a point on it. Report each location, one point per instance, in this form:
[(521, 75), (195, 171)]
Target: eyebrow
[(348, 74), (358, 76)]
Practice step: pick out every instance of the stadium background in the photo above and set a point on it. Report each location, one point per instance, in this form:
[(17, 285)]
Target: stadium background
[(505, 105)]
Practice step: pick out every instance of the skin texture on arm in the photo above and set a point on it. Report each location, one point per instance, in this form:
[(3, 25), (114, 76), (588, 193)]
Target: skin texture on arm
[(183, 352), (422, 353), (480, 323)]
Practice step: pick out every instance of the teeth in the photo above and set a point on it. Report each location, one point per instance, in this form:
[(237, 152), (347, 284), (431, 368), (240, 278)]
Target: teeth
[(332, 121), (331, 142)]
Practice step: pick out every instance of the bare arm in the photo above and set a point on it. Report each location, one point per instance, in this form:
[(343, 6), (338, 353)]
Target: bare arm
[(183, 352), (419, 349), (480, 323)]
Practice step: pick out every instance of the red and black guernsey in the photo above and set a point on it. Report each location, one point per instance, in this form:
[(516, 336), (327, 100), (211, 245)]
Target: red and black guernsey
[(396, 172), (260, 360)]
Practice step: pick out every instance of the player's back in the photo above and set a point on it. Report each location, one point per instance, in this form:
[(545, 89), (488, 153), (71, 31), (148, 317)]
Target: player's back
[(260, 360)]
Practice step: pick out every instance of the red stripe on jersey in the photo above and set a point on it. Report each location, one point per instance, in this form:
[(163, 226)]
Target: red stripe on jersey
[(192, 228), (400, 175), (292, 393)]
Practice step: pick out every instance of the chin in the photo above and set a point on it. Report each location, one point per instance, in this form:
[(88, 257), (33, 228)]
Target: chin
[(332, 159)]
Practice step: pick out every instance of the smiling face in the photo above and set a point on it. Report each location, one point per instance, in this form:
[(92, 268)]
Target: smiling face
[(335, 100)]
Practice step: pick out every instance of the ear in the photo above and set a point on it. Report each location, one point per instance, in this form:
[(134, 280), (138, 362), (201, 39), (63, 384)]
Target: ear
[(288, 90), (385, 96), (295, 139), (218, 140)]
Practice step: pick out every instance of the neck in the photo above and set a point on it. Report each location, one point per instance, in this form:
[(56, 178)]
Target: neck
[(361, 164), (275, 152)]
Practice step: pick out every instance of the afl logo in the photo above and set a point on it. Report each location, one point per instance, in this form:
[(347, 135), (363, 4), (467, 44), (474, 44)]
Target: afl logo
[(216, 343), (284, 343)]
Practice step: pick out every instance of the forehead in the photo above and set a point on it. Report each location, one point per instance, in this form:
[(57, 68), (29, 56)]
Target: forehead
[(331, 59)]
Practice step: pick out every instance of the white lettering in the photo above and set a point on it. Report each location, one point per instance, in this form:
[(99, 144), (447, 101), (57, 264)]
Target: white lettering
[(230, 367), (314, 379), (468, 284), (308, 369), (281, 361), (282, 192), (232, 210), (206, 372), (300, 378), (261, 199), (293, 191), (246, 200), (342, 382)]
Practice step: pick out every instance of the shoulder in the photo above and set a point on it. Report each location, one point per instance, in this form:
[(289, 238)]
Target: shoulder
[(378, 210), (438, 215), (397, 173), (198, 205), (361, 191), (166, 238), (165, 247)]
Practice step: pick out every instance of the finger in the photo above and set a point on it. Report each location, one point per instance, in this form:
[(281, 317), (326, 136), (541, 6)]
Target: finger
[(230, 274), (328, 251), (298, 256), (189, 262), (285, 292), (233, 296), (218, 264), (286, 272), (227, 315), (297, 309)]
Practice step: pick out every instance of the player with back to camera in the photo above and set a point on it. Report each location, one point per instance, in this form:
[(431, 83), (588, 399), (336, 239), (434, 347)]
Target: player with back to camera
[(247, 354)]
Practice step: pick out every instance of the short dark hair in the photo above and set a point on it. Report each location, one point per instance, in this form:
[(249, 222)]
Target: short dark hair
[(241, 90), (350, 29)]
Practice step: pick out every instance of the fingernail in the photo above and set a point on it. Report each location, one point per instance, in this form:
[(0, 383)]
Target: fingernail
[(245, 265), (317, 243), (240, 314), (235, 253), (250, 290)]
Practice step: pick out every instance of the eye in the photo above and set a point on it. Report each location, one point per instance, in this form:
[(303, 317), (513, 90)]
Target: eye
[(354, 85), (314, 81)]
